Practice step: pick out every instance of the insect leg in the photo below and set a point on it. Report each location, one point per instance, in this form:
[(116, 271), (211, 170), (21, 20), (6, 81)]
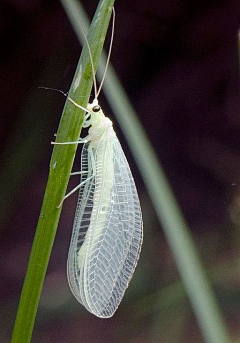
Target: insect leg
[(80, 141), (85, 181), (74, 190), (79, 173), (86, 123)]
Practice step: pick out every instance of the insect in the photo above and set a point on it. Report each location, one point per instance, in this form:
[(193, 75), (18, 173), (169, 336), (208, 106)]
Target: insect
[(107, 230)]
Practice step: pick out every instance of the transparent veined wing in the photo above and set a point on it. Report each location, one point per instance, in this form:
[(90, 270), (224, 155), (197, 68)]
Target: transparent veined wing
[(81, 222), (106, 256)]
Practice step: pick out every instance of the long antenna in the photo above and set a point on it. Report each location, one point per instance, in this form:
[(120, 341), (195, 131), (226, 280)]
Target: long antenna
[(91, 59), (66, 95), (109, 54)]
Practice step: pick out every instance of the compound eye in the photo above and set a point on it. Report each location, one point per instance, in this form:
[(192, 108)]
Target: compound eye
[(96, 108)]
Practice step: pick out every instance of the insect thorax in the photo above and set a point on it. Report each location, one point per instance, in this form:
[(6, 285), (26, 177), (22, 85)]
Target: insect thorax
[(100, 125)]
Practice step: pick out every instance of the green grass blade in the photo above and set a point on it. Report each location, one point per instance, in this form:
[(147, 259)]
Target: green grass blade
[(199, 290), (59, 172)]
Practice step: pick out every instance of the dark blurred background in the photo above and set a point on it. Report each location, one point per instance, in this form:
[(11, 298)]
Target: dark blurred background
[(178, 61)]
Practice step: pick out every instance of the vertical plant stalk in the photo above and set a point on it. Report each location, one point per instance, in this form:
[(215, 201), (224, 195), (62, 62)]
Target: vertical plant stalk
[(199, 290), (59, 172)]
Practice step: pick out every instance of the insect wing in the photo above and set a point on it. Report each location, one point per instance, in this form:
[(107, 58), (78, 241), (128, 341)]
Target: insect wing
[(81, 224), (116, 231)]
